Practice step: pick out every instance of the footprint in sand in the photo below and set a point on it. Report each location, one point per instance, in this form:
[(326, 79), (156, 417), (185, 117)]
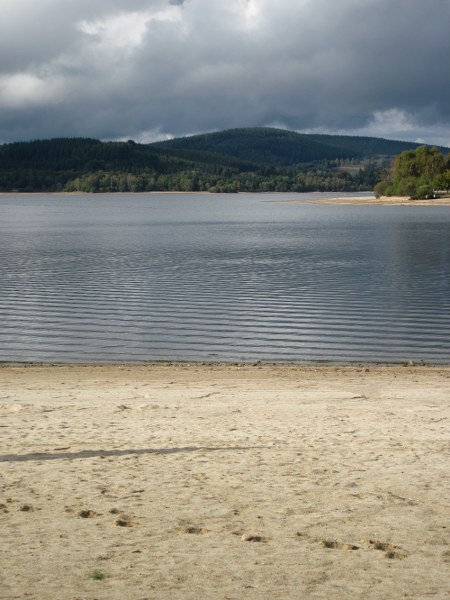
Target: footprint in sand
[(124, 520), (390, 551), (334, 545), (252, 537), (87, 514), (27, 508), (192, 530)]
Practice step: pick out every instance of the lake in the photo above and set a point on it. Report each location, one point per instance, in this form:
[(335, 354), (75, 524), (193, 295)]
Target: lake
[(174, 277)]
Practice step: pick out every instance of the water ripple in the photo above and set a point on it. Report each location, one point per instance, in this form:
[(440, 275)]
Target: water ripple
[(286, 282)]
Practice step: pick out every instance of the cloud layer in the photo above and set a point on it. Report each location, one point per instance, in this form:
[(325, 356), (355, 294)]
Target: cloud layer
[(145, 69)]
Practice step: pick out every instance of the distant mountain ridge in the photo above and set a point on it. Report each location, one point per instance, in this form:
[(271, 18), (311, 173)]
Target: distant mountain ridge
[(287, 148), (255, 159)]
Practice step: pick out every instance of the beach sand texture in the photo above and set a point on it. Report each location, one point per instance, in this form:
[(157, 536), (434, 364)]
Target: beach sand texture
[(370, 201), (224, 482)]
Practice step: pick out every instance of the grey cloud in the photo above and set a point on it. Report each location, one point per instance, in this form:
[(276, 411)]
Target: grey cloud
[(200, 65)]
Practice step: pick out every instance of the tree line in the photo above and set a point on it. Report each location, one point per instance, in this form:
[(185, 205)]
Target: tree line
[(87, 165)]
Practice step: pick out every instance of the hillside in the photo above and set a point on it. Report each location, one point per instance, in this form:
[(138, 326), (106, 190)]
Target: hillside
[(258, 159), (286, 148)]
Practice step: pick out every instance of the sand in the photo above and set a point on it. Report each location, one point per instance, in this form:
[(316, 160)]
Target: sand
[(384, 200), (224, 482), (369, 201)]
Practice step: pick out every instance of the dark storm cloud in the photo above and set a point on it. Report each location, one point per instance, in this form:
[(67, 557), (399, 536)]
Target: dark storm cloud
[(145, 68)]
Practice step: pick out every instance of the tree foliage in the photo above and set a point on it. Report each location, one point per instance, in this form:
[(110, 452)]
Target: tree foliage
[(416, 173)]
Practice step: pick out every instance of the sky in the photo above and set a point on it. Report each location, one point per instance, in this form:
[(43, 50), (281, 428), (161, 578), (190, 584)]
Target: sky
[(154, 69)]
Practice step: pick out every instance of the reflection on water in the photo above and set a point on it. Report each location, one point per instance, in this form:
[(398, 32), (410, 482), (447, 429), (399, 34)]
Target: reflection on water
[(216, 277)]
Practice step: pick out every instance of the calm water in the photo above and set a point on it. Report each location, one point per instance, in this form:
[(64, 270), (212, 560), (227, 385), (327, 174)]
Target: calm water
[(115, 278)]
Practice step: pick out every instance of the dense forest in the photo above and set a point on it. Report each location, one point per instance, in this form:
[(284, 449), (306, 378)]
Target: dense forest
[(420, 173), (249, 160), (287, 148)]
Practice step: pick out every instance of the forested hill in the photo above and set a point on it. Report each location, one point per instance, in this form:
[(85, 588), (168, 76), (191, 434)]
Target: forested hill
[(287, 148), (229, 161)]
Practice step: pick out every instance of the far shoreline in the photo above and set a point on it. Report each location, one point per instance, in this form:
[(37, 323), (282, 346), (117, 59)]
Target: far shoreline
[(333, 199)]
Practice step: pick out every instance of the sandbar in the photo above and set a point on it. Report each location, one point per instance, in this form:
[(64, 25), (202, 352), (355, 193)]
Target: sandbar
[(383, 200), (366, 200)]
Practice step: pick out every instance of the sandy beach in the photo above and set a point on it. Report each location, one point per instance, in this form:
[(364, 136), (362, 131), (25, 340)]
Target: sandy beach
[(384, 200), (224, 482), (372, 201)]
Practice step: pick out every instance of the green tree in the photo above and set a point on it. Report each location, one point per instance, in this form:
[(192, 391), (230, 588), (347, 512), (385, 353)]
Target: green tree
[(415, 173)]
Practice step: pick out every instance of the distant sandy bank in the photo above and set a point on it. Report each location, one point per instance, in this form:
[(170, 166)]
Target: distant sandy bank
[(385, 200), (369, 201), (188, 481)]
